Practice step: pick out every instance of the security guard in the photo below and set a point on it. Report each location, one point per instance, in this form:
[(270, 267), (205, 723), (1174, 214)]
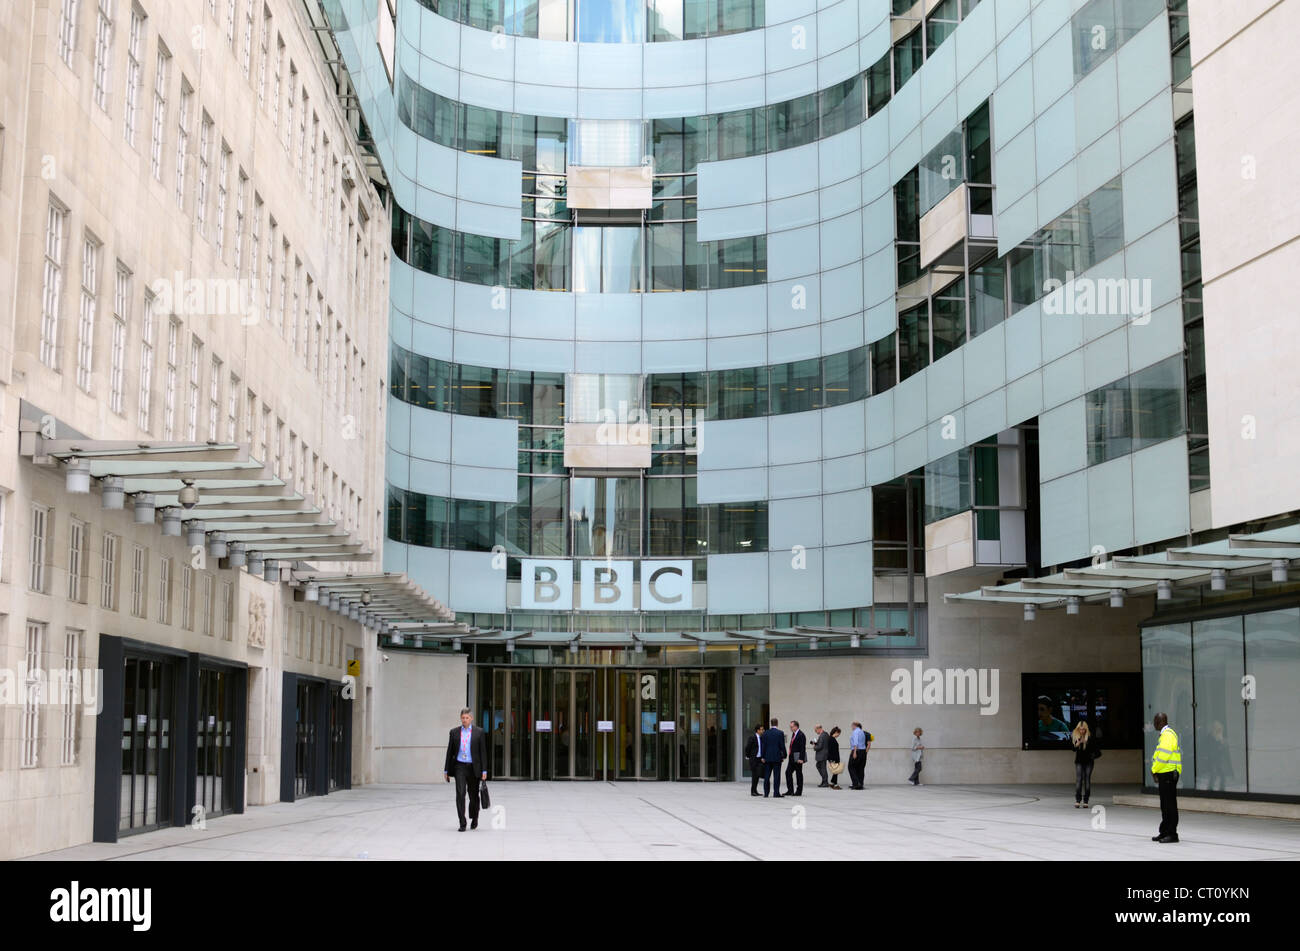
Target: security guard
[(1166, 767)]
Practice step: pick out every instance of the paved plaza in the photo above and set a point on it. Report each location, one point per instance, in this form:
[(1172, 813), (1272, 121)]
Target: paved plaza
[(587, 821)]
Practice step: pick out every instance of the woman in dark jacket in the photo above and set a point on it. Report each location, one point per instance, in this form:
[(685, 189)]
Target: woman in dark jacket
[(833, 755), (1086, 752)]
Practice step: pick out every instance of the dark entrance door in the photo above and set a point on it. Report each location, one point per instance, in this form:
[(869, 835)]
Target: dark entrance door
[(308, 726), (215, 759), (147, 716), (340, 740)]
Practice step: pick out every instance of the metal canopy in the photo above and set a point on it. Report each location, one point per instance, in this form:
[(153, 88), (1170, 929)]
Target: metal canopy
[(391, 597), (630, 639), (1237, 556), (238, 494)]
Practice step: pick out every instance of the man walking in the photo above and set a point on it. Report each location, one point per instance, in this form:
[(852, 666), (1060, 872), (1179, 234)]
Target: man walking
[(467, 761), (857, 756), (1166, 767), (754, 753), (798, 756), (773, 753), (820, 752)]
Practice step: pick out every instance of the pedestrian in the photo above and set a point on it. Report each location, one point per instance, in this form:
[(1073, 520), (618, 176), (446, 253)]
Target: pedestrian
[(773, 753), (1166, 767), (918, 748), (1086, 751), (798, 756), (857, 756), (754, 753), (467, 761), (820, 749), (833, 757)]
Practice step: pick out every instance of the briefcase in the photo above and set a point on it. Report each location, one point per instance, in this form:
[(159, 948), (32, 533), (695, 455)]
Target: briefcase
[(484, 799)]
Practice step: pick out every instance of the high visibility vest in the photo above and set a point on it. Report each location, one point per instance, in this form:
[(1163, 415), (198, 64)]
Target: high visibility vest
[(1168, 758)]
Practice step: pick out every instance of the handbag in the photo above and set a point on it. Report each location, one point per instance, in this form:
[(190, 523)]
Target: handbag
[(1096, 754), (484, 800)]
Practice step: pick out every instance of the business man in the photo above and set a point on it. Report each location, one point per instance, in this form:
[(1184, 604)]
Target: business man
[(467, 761), (754, 753), (798, 756), (857, 756), (821, 749), (1166, 768), (773, 753)]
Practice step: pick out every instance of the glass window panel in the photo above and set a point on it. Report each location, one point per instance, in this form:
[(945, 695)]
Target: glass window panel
[(796, 387), (606, 142), (738, 394), (551, 256), (475, 530), (606, 516), (879, 89), (1158, 402), (1094, 35), (611, 21), (1218, 666), (883, 370), (621, 260), (949, 319), (477, 391), (845, 377), (666, 257), (988, 296), (740, 133), (841, 106), (665, 20), (1273, 658), (695, 142), (1110, 422), (941, 171), (907, 58), (669, 145), (586, 259), (913, 341), (792, 123), (947, 486)]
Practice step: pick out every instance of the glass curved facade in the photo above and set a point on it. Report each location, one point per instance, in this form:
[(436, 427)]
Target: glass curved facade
[(605, 21)]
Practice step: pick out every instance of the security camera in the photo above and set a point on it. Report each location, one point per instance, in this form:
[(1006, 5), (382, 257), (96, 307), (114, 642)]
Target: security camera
[(385, 657), (188, 495)]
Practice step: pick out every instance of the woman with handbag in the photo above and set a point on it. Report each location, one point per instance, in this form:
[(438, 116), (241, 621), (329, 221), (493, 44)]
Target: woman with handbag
[(1086, 753), (833, 757)]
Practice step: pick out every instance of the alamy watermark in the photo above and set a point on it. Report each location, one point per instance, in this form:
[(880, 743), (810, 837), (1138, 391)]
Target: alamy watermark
[(1099, 297), (947, 686), (58, 687)]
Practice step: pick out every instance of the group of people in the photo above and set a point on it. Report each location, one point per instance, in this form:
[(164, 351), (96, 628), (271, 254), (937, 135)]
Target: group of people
[(767, 748)]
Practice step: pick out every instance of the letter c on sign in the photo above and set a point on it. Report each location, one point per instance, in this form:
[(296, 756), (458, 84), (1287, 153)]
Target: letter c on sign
[(654, 579)]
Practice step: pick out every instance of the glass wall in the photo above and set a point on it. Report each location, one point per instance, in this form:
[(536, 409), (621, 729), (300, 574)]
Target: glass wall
[(1228, 685), (1137, 411), (605, 21)]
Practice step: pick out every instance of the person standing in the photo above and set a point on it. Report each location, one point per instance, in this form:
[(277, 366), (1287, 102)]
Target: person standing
[(467, 761), (1166, 767), (833, 756), (754, 753), (1086, 752), (857, 756), (773, 753), (798, 756), (820, 749), (918, 748)]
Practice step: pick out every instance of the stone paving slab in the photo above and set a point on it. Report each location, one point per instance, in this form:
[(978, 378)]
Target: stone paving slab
[(707, 821)]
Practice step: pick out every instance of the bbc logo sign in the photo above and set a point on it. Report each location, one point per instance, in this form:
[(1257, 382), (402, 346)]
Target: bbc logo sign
[(547, 585)]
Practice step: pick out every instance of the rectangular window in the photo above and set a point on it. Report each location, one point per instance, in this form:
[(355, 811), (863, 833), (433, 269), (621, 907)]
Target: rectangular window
[(108, 573), (71, 695), (55, 224), (117, 357), (173, 378), (230, 23), (139, 581), (289, 106), (76, 560), (214, 398), (192, 403), (254, 243), (207, 605), (102, 73), (183, 142), (30, 735), (164, 590), (86, 313), (36, 549), (227, 610), (159, 112), (241, 192), (232, 408), (134, 77), (223, 185), (247, 61), (263, 55), (68, 30), (146, 363), (201, 190), (187, 597)]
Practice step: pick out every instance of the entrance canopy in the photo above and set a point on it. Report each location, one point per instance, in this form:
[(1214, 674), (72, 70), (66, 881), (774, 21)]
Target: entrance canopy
[(1276, 552), (805, 637)]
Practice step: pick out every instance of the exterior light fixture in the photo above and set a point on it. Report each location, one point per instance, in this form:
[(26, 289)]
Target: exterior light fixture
[(256, 564), (236, 554), (510, 646), (171, 522), (334, 601), (1072, 605), (188, 495), (1279, 570), (395, 639), (1031, 612), (312, 592), (638, 645), (272, 571), (365, 596), (573, 646), (78, 476), (110, 492), (812, 644), (855, 641), (455, 643), (1164, 590), (195, 529), (1116, 597), (1218, 580), (217, 544), (762, 646), (703, 647), (419, 641), (143, 505)]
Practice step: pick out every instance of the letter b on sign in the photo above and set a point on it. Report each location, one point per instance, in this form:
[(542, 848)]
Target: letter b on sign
[(546, 585)]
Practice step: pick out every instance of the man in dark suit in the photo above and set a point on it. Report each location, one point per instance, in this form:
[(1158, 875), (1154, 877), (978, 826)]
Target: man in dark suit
[(798, 756), (773, 753), (754, 753), (821, 749), (467, 761)]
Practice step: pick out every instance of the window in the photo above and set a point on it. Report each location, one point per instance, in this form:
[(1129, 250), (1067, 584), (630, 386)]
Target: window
[(230, 23), (134, 77), (183, 141), (164, 590), (67, 35), (227, 610), (1140, 410), (241, 191), (214, 398), (169, 394), (159, 111), (192, 404), (29, 739), (223, 184), (187, 597), (146, 363), (289, 106), (139, 581), (71, 696), (208, 619), (36, 550), (201, 191), (254, 243), (263, 54), (233, 395), (108, 573), (117, 358), (611, 21), (76, 560), (55, 223), (102, 74), (86, 313)]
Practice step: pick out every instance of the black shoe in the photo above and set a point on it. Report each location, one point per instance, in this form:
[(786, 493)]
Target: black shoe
[(756, 794), (779, 796), (474, 824), (462, 827), (1167, 839), (822, 785), (1156, 838)]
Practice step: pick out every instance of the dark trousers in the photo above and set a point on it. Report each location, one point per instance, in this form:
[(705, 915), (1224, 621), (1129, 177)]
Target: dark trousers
[(857, 768), (1082, 781), (916, 774), (793, 772), (835, 780), (466, 780), (755, 773), (772, 774), (1168, 784), (821, 770)]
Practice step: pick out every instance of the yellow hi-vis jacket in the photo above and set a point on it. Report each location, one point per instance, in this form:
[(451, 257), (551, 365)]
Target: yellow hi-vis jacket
[(1167, 758)]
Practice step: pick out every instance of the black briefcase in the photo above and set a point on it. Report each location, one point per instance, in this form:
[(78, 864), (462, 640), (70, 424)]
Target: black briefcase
[(484, 799)]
